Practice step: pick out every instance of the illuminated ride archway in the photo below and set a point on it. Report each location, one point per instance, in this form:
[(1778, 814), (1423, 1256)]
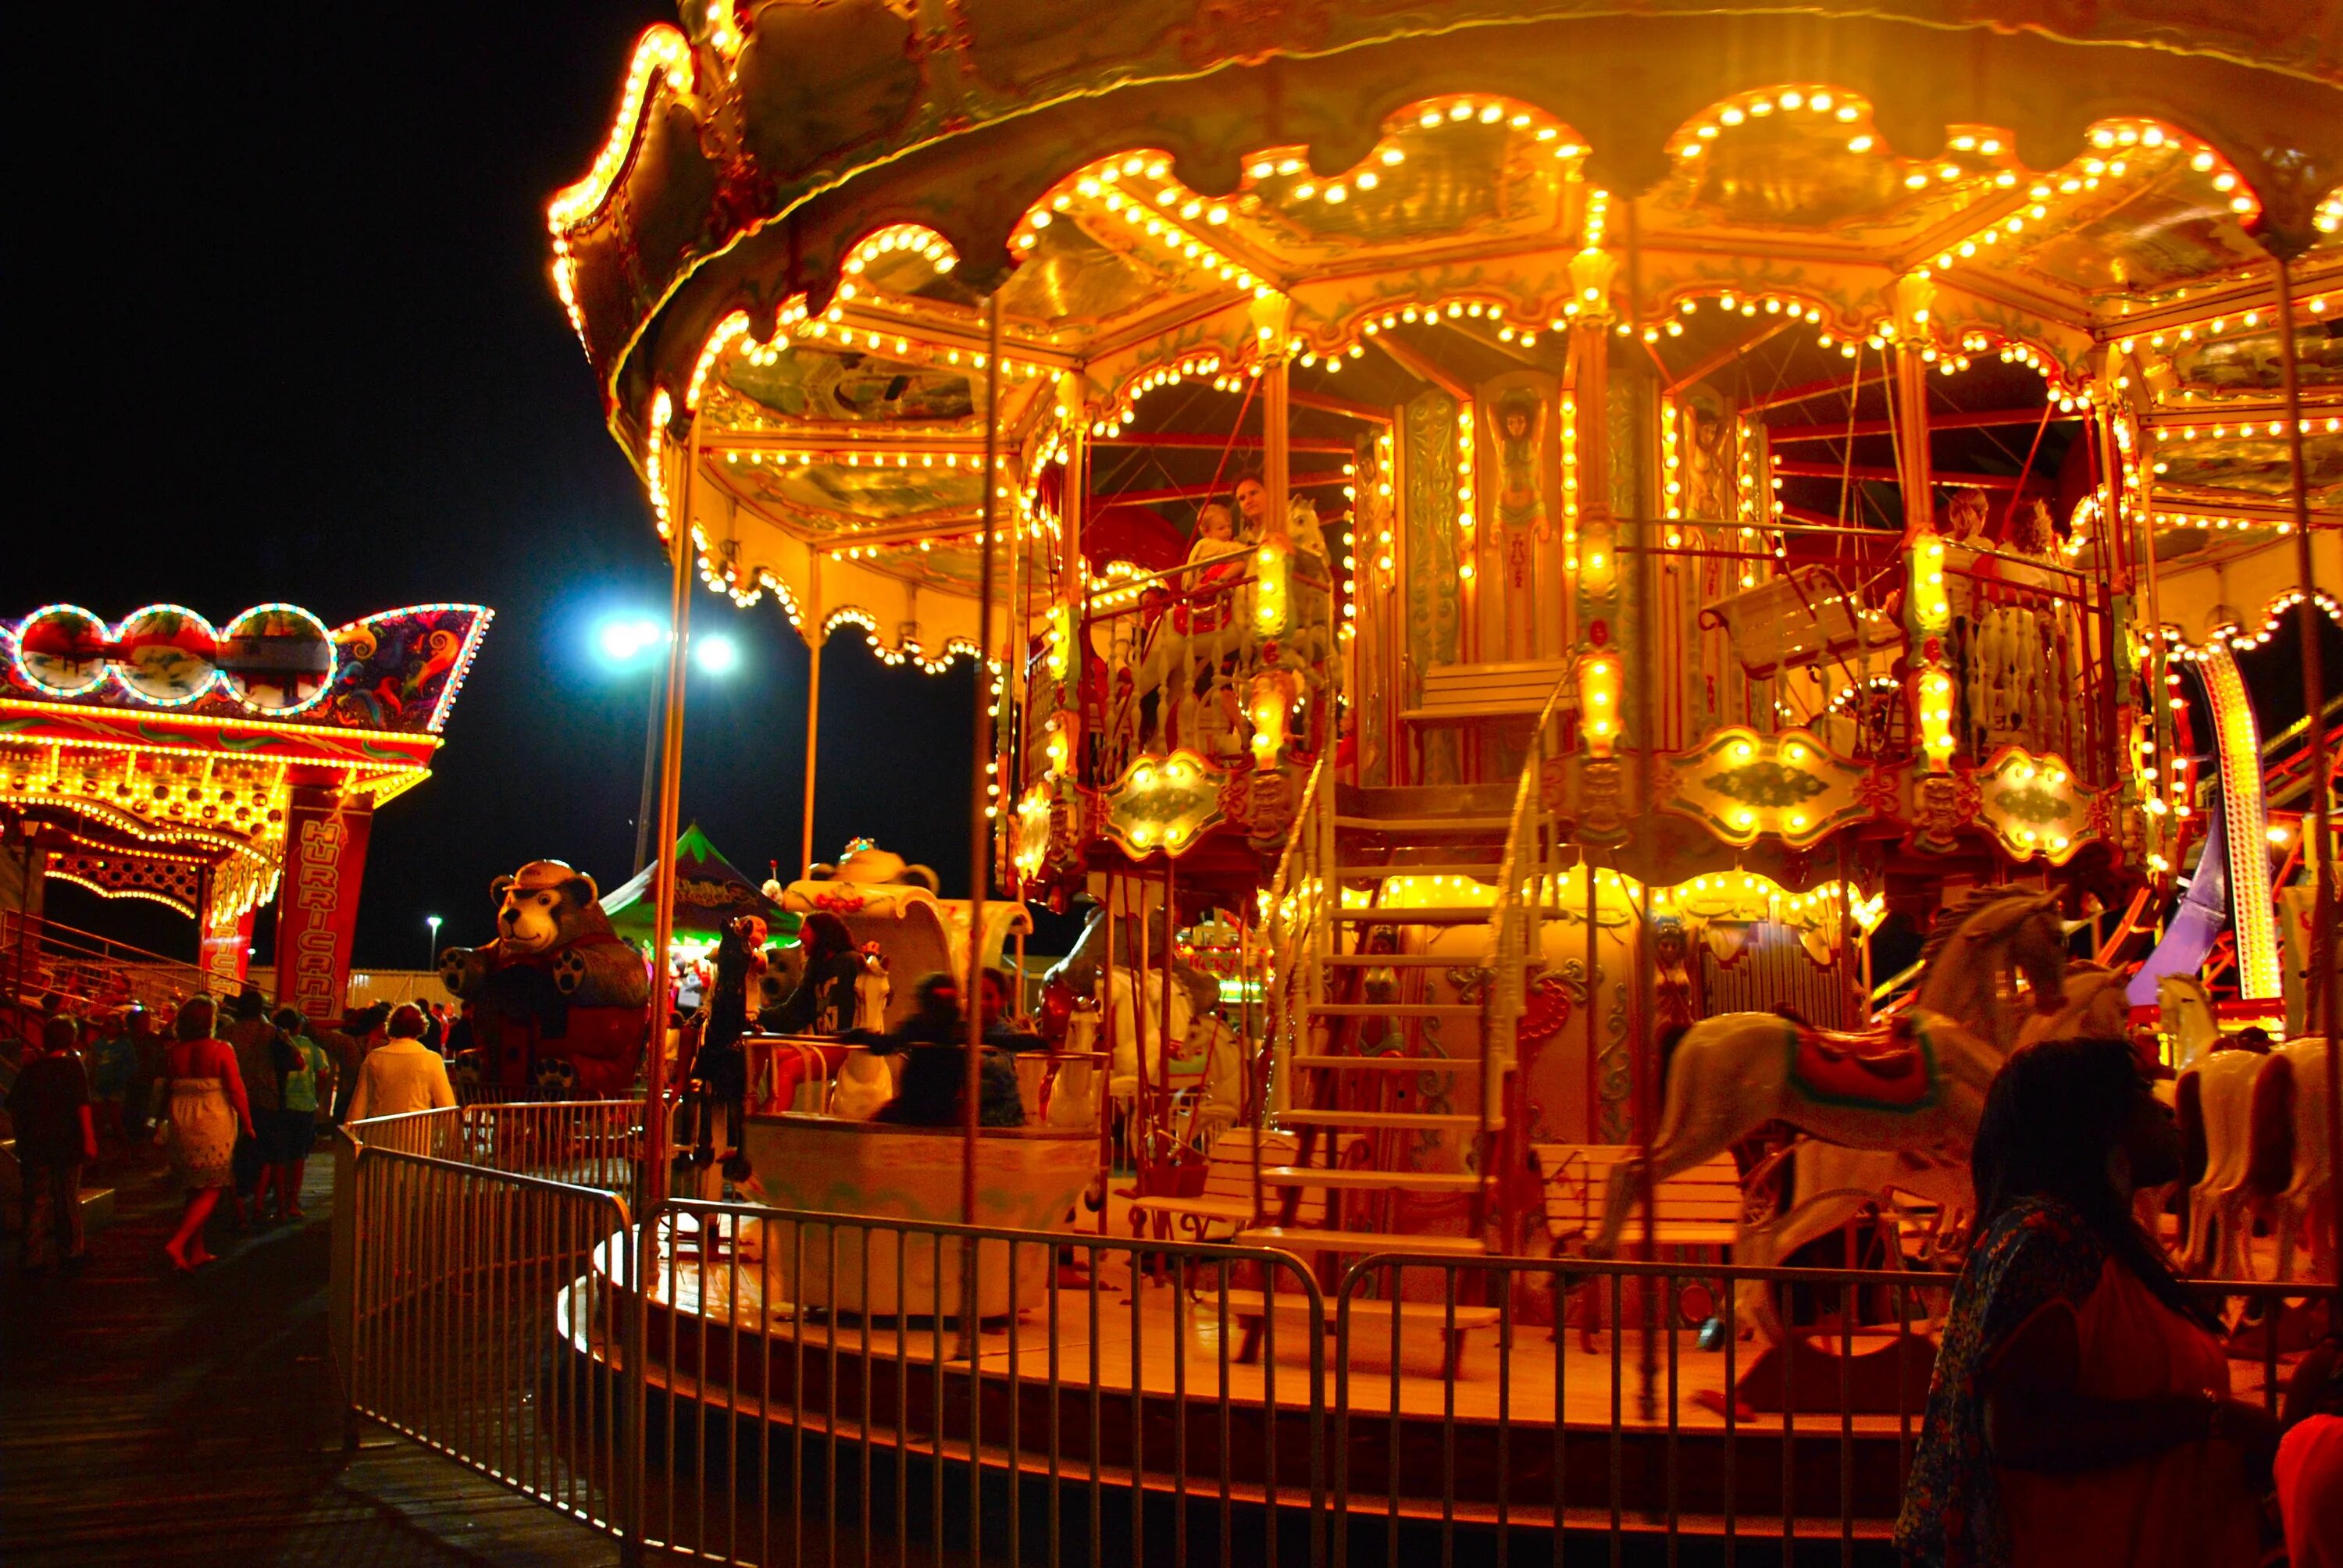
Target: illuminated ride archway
[(214, 769)]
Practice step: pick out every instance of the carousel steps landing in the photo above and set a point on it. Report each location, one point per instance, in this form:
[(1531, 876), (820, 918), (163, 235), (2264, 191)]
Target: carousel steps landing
[(1294, 1239), (1387, 1063), (1424, 825), (1390, 960), (1430, 915), (1394, 1009), (1463, 1318), (1425, 1120), (1355, 1178), (1479, 870)]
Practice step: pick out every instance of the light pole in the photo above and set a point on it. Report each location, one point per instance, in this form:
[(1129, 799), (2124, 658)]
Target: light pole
[(622, 642), (431, 959)]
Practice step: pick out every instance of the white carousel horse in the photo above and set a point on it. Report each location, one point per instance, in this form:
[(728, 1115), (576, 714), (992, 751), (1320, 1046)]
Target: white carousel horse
[(1073, 1095), (2095, 1008), (2216, 1096), (1831, 1183), (872, 992), (1921, 1094), (2185, 1013), (2290, 1165), (864, 1086)]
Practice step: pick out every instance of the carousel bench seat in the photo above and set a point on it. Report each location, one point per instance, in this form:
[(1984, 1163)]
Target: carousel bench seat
[(1699, 1209), (1226, 1198), (1249, 1308), (1457, 693)]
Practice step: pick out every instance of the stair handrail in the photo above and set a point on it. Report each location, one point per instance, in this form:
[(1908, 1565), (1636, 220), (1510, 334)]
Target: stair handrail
[(1297, 922), (1514, 933)]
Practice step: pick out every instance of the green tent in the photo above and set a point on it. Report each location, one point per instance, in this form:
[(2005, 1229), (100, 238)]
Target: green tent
[(710, 893)]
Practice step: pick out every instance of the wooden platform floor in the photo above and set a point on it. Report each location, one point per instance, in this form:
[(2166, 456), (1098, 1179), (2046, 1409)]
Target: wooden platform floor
[(1173, 1339), (152, 1418)]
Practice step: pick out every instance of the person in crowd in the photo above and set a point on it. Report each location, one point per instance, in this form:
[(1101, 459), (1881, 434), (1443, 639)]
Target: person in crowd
[(49, 1105), (112, 1066), (934, 1039), (2309, 1466), (341, 1048), (254, 1040), (435, 1029), (2080, 1410), (823, 1002), (306, 1082), (719, 1069), (458, 1039), (401, 1075), (209, 1111), (139, 1108)]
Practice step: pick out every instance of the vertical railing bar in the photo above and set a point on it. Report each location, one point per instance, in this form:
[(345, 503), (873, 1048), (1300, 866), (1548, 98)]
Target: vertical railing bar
[(1393, 1287), (1227, 1451), (1617, 1320), (1097, 1395), (1669, 1306), (1783, 1305), (1138, 1422), (1055, 1317), (1016, 1421), (936, 1390), (1732, 1422), (1447, 1413), (1849, 1296), (1560, 1461), (1179, 1408)]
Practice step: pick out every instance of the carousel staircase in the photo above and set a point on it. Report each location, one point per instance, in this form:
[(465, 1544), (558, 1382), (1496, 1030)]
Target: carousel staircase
[(1373, 1072)]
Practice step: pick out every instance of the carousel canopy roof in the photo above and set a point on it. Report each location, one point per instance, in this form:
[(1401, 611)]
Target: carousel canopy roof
[(710, 894), (781, 275)]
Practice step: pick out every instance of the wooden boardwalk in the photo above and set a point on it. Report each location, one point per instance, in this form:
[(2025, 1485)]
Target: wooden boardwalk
[(150, 1418)]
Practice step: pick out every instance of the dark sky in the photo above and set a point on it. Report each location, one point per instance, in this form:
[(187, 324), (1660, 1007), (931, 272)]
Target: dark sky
[(283, 330)]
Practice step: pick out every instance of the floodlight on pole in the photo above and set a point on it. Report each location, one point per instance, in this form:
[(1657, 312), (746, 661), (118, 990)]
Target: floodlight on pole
[(432, 957)]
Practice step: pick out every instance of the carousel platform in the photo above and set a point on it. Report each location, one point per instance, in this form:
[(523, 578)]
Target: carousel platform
[(1144, 1385)]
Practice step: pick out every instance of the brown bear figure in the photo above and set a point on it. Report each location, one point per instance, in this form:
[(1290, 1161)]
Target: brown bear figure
[(557, 985)]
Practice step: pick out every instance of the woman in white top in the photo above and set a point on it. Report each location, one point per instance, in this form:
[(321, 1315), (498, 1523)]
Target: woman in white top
[(401, 1074)]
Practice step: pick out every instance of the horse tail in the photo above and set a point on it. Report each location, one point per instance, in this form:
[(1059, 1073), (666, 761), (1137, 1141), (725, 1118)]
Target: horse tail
[(2188, 1107), (2269, 1160)]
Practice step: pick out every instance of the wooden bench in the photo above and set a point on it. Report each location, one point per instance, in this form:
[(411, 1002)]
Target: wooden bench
[(1226, 1196), (1695, 1213), (1467, 693), (1251, 1308)]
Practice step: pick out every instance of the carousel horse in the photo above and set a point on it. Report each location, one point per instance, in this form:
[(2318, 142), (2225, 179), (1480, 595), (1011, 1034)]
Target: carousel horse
[(1916, 1090), (2184, 1011), (1830, 1184), (2215, 1102), (2290, 1166), (2094, 1007)]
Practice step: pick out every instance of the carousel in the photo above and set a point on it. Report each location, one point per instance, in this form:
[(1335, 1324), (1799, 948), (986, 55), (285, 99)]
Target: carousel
[(1500, 546)]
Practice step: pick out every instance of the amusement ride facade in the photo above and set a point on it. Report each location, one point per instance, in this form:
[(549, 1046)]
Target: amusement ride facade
[(1698, 485)]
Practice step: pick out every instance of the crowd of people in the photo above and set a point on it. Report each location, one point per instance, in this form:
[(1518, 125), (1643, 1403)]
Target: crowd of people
[(236, 1094)]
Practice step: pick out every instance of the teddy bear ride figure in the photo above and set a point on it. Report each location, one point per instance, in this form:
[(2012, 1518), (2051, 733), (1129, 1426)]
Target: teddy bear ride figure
[(557, 993)]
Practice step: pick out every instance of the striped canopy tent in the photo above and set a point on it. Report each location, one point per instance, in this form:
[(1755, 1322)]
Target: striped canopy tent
[(710, 893)]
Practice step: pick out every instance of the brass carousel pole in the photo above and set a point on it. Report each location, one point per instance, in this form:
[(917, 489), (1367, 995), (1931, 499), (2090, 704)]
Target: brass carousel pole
[(980, 827), (2319, 1003), (655, 1109), (815, 637)]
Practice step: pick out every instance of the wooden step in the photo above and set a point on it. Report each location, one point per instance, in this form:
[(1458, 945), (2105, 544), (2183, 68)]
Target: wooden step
[(1426, 824), (1479, 870), (1294, 1239), (1247, 1305), (1396, 961), (1426, 1119), (1362, 1180), (1430, 915), (1386, 1063), (1396, 1009)]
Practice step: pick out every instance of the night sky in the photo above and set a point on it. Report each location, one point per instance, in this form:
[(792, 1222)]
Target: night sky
[(283, 330)]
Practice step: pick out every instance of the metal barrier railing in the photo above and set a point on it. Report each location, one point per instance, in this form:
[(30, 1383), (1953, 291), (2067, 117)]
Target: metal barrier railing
[(1027, 1433), (752, 1385), (463, 1282)]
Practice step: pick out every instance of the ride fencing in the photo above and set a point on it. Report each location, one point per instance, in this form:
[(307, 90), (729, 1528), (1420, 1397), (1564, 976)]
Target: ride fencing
[(740, 1384)]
